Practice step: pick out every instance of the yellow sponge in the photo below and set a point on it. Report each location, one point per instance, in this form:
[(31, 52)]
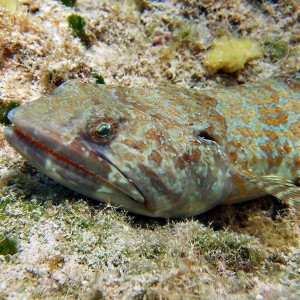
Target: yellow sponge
[(230, 54)]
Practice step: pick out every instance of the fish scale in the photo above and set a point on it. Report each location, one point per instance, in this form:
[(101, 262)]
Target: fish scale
[(166, 152)]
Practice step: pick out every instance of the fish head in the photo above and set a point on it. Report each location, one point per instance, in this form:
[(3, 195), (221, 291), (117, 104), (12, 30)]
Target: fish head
[(119, 146)]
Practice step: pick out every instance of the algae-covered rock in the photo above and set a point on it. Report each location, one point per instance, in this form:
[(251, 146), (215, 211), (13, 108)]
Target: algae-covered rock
[(230, 54)]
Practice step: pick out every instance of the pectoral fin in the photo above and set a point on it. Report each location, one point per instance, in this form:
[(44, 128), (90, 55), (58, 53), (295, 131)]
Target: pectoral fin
[(278, 187)]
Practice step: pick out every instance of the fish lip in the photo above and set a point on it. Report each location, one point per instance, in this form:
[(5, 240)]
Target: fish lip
[(31, 141)]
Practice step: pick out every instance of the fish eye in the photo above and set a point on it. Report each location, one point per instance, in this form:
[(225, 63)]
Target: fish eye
[(104, 129), (101, 129)]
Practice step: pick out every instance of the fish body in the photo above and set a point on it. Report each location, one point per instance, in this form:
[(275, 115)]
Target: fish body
[(166, 152)]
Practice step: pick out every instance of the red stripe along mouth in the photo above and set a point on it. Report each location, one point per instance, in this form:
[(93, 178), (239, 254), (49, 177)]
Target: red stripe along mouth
[(77, 176)]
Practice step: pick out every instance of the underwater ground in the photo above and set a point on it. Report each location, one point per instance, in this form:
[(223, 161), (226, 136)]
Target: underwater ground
[(57, 244)]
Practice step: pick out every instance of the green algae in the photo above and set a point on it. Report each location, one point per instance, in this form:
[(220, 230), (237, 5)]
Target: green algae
[(99, 78), (192, 35), (69, 3), (185, 31), (5, 108), (78, 24), (236, 252), (141, 5), (8, 246), (276, 49)]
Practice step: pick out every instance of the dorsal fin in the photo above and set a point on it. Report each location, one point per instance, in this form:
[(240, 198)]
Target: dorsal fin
[(278, 187)]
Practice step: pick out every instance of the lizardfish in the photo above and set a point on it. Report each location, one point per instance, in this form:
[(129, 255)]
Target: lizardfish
[(166, 152)]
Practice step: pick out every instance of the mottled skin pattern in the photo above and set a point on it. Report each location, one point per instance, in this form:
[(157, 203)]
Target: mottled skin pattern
[(170, 152)]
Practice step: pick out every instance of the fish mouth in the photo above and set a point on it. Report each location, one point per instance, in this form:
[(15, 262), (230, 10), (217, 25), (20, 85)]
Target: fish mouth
[(73, 166)]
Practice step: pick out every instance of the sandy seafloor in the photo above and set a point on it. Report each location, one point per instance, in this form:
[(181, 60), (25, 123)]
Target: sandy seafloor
[(71, 248)]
